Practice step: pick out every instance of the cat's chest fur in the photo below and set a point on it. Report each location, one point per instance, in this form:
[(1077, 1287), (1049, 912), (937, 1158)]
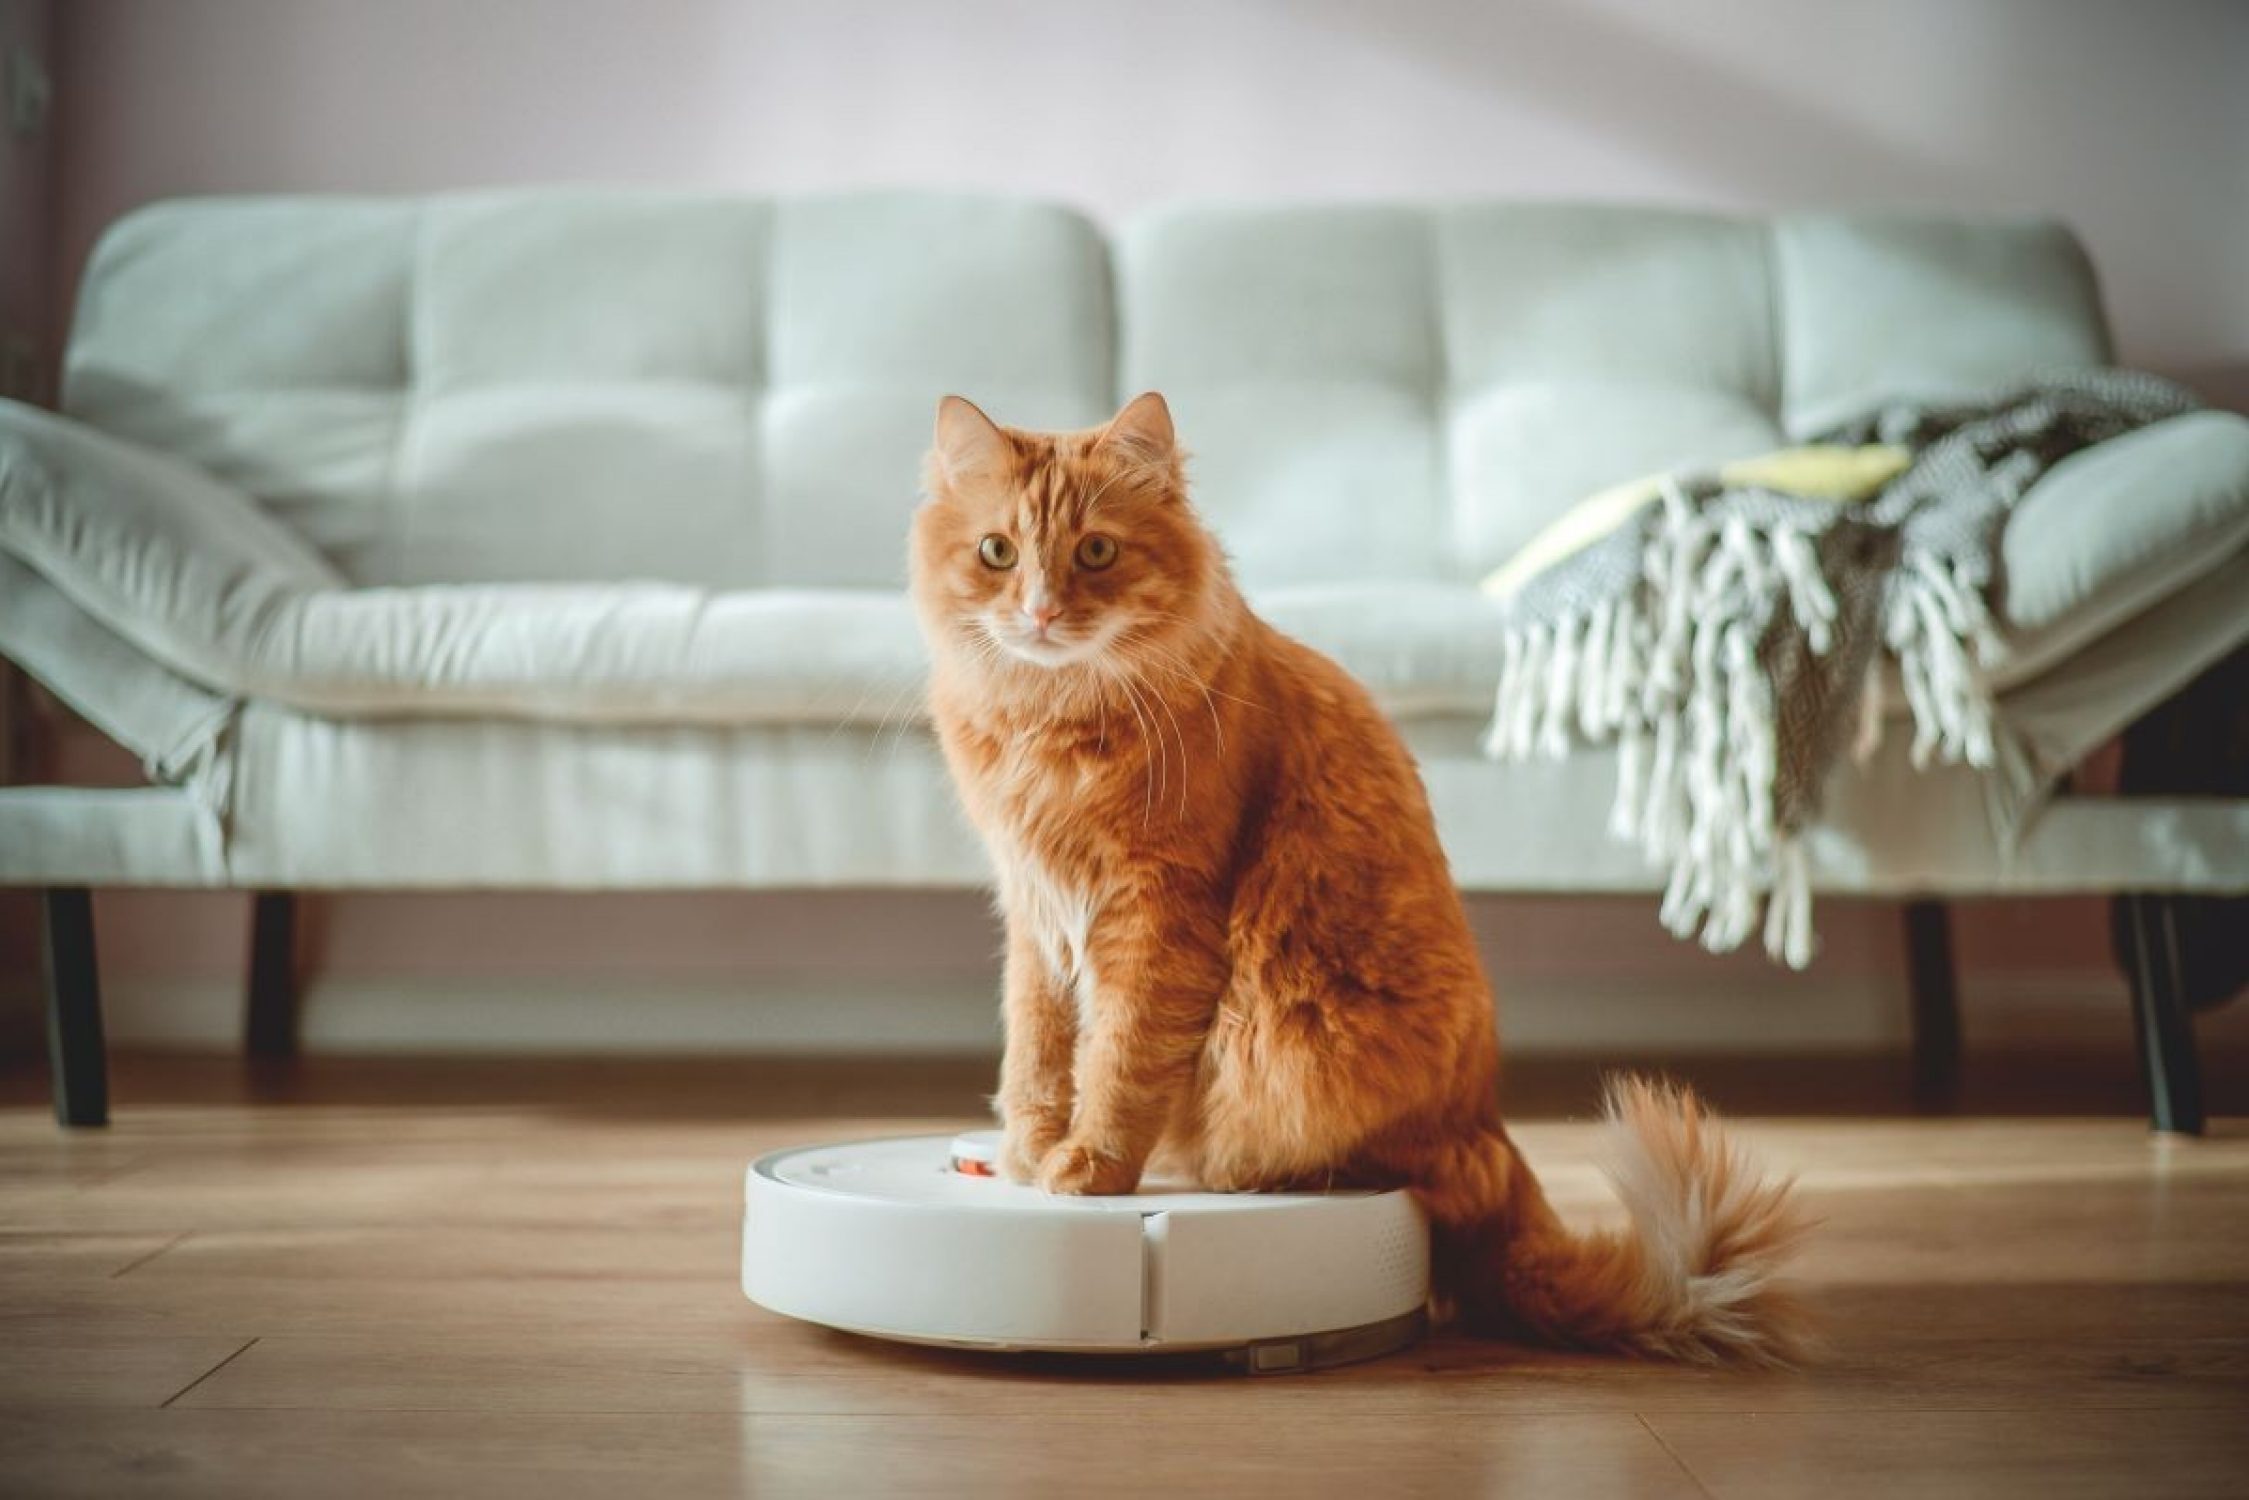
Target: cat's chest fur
[(1039, 809), (1057, 913)]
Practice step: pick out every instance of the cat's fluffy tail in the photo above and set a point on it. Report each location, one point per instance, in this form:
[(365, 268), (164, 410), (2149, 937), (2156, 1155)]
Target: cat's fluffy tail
[(1696, 1277)]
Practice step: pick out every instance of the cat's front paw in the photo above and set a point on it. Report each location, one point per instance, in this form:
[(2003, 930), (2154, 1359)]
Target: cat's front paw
[(1025, 1142), (1081, 1171)]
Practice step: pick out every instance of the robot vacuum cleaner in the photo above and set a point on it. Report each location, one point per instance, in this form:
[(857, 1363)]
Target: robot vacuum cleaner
[(918, 1239)]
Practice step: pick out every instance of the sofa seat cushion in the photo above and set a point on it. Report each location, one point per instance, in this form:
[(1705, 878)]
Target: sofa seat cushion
[(511, 802), (1422, 649), (198, 577), (598, 654), (663, 654)]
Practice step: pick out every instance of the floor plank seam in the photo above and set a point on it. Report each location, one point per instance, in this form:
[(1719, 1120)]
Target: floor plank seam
[(206, 1375), (116, 1173), (171, 1244), (1669, 1452)]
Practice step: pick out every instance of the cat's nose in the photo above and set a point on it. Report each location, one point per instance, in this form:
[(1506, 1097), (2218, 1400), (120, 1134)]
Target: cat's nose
[(1041, 614)]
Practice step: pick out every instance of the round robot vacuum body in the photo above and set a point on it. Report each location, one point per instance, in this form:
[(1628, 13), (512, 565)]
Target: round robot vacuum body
[(919, 1239)]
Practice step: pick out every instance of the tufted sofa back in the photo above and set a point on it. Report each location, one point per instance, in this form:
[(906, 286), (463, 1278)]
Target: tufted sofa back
[(575, 385), (736, 392)]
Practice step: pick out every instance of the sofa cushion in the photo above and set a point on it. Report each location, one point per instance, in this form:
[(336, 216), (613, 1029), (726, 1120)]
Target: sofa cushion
[(1878, 306), (659, 653), (568, 384), (1403, 392), (2115, 529), (195, 574), (1422, 649)]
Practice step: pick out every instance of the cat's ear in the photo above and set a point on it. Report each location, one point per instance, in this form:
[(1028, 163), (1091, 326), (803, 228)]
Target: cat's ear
[(1142, 429), (968, 443)]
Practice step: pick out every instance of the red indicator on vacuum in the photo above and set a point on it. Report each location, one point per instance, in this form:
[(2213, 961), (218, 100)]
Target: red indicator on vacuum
[(976, 1153)]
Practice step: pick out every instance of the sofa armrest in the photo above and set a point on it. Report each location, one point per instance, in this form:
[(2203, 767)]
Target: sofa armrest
[(188, 569), (127, 550), (2113, 531)]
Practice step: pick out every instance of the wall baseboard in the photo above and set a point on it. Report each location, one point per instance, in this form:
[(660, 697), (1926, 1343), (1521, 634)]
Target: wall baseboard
[(1726, 1013)]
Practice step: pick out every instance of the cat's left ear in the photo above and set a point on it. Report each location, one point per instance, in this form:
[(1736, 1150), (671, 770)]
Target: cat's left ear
[(1142, 429), (967, 443)]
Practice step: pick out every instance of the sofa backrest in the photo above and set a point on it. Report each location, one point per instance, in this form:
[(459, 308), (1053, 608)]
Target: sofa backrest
[(736, 392), (588, 385), (1414, 391)]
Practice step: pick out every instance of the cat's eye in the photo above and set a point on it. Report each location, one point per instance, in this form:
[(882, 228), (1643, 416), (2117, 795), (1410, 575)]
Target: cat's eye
[(1096, 551), (997, 552)]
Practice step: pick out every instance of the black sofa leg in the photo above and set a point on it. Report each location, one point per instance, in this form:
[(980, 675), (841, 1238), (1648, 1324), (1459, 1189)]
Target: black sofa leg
[(1936, 1005), (269, 1020), (75, 1050), (2147, 938)]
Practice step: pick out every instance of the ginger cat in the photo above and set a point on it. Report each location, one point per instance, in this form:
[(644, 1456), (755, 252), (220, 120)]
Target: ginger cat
[(1232, 937)]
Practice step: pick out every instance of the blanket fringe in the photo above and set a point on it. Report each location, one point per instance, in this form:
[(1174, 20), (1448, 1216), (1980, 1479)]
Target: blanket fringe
[(1652, 639), (1691, 710), (1935, 623)]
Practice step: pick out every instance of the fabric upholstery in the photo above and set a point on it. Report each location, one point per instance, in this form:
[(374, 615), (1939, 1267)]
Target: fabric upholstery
[(188, 569), (2126, 522), (504, 802), (172, 726), (582, 513), (1416, 392), (1925, 307), (578, 385), (110, 551), (508, 803)]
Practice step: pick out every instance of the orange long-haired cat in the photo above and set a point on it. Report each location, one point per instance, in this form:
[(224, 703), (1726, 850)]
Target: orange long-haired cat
[(1232, 938)]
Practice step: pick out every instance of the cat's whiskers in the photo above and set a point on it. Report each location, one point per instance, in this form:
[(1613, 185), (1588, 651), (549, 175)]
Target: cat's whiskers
[(1148, 792), (899, 705), (902, 700), (1164, 703), (1172, 666), (1175, 618), (897, 681), (1155, 700), (1152, 731)]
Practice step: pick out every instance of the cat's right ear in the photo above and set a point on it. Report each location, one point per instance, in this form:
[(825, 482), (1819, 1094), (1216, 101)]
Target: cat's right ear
[(968, 443)]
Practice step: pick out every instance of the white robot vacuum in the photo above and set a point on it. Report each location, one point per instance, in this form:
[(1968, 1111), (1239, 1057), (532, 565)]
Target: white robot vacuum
[(918, 1239)]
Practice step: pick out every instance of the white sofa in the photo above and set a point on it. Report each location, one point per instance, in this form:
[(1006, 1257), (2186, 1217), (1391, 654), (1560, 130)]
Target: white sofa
[(555, 539)]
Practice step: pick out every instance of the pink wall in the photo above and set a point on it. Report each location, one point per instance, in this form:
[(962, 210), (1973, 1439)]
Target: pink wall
[(2129, 120)]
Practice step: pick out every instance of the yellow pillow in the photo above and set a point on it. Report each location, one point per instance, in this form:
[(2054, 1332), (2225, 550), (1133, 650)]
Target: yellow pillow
[(1816, 471), (1822, 471)]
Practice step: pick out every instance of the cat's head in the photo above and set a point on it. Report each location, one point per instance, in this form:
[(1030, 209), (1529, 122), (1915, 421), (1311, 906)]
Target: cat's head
[(1061, 552)]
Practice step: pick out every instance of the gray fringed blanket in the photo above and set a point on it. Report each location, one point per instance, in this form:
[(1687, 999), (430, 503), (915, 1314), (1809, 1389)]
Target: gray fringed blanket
[(1730, 641)]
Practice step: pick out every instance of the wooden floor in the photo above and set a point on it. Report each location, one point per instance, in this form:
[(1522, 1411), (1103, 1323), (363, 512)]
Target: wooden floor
[(396, 1279)]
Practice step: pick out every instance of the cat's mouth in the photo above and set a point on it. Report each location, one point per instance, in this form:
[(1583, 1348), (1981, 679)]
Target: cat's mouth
[(1053, 648)]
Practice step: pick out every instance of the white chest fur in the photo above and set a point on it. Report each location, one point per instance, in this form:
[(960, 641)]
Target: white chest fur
[(1059, 916)]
